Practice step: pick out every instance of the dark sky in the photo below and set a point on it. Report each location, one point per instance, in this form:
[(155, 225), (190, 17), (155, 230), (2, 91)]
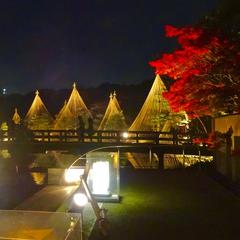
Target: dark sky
[(50, 44)]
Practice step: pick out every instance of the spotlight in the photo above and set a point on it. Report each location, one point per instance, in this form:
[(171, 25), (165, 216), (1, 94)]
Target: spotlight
[(72, 175), (80, 199), (125, 135)]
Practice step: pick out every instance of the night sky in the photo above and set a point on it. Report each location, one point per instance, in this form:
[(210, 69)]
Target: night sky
[(50, 44)]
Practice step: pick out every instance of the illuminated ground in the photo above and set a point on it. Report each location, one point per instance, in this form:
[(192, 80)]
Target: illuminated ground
[(174, 204)]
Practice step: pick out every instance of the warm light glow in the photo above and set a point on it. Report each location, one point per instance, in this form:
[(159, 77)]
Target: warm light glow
[(72, 175), (125, 135), (100, 178), (5, 154), (38, 177), (154, 106), (38, 117), (67, 118), (80, 199), (113, 117), (187, 164), (4, 126), (115, 159), (186, 160)]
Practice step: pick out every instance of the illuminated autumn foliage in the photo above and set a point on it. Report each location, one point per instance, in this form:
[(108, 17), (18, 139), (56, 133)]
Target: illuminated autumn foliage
[(205, 70), (212, 141)]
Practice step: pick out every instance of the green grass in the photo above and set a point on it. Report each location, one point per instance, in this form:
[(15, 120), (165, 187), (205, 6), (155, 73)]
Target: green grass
[(177, 204)]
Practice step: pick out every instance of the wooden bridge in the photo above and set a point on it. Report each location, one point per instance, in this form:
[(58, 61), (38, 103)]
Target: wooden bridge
[(72, 140), (98, 136), (72, 136)]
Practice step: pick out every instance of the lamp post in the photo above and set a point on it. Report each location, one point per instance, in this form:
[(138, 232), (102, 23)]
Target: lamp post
[(82, 196), (79, 202)]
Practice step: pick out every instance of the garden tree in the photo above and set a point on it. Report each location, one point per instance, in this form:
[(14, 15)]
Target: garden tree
[(225, 17), (205, 70)]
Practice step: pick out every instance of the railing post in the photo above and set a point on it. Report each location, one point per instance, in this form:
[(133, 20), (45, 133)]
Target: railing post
[(160, 160), (65, 136), (99, 135), (150, 156), (83, 135), (60, 136), (199, 159), (190, 138), (183, 158), (199, 155), (176, 136), (118, 169), (118, 137), (49, 140), (157, 137)]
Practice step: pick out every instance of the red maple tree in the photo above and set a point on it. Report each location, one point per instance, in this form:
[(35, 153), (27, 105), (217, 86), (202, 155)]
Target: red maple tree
[(205, 70)]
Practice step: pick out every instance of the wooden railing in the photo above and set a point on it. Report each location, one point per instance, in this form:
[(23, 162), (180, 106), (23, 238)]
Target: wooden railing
[(73, 136)]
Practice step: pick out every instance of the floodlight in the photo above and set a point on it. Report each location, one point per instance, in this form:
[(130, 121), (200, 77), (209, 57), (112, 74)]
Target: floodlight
[(80, 199), (125, 135), (100, 177), (72, 175)]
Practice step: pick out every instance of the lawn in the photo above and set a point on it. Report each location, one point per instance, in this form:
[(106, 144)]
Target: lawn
[(174, 204)]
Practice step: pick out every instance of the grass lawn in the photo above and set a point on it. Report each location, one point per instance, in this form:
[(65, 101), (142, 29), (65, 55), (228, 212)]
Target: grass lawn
[(174, 204)]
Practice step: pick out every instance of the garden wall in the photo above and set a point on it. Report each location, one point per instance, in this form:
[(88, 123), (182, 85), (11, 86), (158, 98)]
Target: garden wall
[(228, 163), (222, 124)]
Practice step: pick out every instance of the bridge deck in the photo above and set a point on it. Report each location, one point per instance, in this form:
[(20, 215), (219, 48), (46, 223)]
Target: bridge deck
[(71, 136), (72, 140)]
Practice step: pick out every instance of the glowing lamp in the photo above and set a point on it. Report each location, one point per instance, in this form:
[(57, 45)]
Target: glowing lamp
[(72, 175), (80, 199), (100, 177), (125, 135)]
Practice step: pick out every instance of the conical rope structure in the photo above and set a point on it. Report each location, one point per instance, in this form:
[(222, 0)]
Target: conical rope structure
[(16, 118), (154, 110), (38, 117), (61, 110), (155, 115), (64, 119), (71, 112), (113, 118)]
